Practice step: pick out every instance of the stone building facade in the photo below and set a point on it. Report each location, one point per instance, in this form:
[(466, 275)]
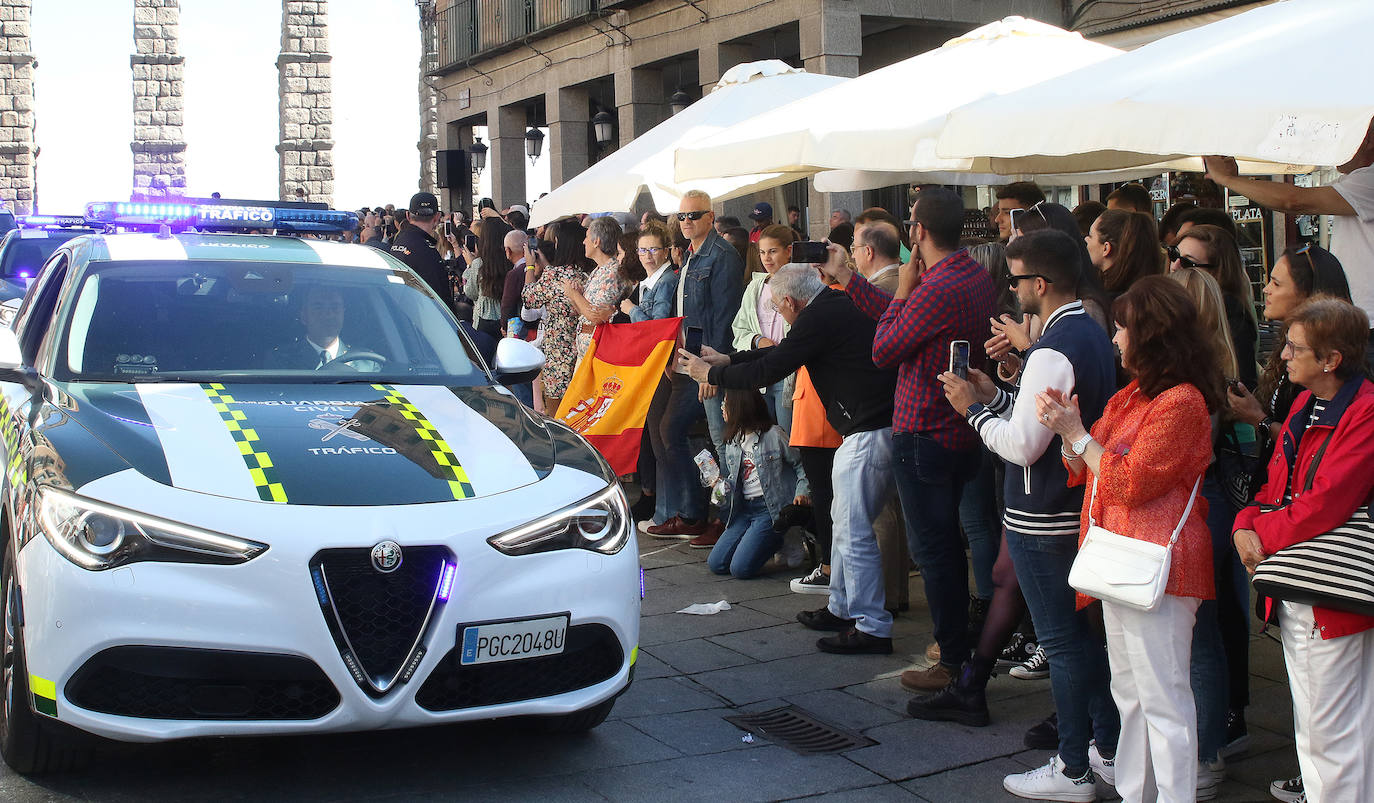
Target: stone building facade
[(305, 154), (16, 107), (158, 146), (511, 64)]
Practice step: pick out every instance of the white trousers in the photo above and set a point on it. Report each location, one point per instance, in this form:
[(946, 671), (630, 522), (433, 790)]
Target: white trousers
[(1332, 682), (1150, 653)]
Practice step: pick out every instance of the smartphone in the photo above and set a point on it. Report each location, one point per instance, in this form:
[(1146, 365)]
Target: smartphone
[(1015, 216), (809, 252), (693, 344), (958, 358), (532, 243), (448, 228), (470, 243)]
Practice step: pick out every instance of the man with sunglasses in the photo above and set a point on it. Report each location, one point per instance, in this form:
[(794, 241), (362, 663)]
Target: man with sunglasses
[(709, 290), (1041, 515), (1349, 199)]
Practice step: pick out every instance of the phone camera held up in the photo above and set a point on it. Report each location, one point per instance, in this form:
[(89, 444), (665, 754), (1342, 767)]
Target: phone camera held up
[(804, 252), (693, 344), (958, 358)]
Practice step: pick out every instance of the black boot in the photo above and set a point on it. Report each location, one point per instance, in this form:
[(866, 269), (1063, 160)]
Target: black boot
[(963, 700)]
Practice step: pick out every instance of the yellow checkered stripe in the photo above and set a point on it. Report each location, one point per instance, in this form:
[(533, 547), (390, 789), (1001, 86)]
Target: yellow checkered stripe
[(449, 466), (9, 432), (260, 467)]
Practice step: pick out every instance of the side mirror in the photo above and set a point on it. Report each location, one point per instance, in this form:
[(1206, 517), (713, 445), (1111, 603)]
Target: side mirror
[(517, 361)]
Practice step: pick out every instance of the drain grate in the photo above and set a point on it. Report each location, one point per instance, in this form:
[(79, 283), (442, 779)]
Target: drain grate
[(799, 732)]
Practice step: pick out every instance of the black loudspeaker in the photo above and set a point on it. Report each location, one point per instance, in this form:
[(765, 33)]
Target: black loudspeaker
[(451, 167)]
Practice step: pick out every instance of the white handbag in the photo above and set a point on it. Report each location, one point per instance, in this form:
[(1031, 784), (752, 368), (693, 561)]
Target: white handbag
[(1124, 570)]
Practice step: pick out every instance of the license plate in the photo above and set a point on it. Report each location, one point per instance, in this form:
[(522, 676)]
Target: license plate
[(512, 641)]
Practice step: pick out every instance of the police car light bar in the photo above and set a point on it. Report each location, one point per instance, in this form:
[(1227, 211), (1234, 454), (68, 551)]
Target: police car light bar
[(219, 217), (55, 221)]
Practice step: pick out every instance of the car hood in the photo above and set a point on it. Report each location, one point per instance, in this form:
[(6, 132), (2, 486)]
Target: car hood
[(349, 444)]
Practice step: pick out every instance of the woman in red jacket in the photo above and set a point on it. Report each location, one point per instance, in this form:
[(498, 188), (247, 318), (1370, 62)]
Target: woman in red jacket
[(1143, 461), (1329, 653)]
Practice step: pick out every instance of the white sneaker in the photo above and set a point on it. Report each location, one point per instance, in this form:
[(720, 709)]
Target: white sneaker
[(1289, 791), (1103, 768), (1050, 783), (644, 526), (1210, 774)]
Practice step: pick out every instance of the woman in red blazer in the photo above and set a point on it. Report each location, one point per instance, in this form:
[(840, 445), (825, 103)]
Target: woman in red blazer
[(1329, 653)]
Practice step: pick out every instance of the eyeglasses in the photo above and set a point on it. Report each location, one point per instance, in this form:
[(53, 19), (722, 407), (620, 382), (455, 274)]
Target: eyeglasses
[(649, 251), (857, 246), (1037, 210), (1185, 261), (1295, 348), (697, 215), (1015, 279)]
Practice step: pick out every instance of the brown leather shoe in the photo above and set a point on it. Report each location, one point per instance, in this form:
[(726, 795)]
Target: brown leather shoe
[(708, 538), (676, 528), (926, 680)]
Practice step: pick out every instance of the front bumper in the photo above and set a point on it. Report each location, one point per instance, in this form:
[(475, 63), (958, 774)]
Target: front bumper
[(269, 604)]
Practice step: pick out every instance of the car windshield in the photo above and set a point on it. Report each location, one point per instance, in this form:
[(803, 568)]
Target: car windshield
[(258, 322)]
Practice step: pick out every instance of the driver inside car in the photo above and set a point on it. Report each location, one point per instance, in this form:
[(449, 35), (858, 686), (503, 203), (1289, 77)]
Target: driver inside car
[(322, 315)]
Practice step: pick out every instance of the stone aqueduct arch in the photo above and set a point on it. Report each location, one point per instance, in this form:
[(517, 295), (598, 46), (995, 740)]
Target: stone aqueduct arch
[(305, 103)]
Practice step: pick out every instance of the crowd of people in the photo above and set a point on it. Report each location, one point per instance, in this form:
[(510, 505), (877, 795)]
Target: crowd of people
[(911, 399)]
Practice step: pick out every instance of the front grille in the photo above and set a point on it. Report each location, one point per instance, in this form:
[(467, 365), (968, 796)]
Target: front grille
[(592, 656), (187, 683), (378, 618)]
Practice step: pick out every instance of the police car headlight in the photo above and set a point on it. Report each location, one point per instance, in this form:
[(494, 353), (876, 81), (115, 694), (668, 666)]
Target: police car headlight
[(600, 523), (97, 536)]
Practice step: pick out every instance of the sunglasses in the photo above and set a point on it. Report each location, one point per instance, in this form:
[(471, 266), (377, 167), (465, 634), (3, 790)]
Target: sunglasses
[(1185, 261), (649, 251), (1306, 251), (1016, 279), (697, 215)]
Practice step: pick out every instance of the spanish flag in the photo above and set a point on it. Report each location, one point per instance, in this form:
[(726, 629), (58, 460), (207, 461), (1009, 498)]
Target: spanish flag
[(608, 398)]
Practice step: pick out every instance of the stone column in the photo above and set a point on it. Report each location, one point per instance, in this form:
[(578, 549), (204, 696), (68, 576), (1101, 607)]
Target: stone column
[(639, 101), (429, 100), (159, 150), (714, 61), (305, 158), (506, 133), (831, 41), (16, 107), (568, 112)]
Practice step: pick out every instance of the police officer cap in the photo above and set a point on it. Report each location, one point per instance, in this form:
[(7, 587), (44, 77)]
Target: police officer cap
[(424, 204)]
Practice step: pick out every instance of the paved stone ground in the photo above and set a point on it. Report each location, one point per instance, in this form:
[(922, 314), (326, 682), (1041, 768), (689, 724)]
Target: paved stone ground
[(667, 739)]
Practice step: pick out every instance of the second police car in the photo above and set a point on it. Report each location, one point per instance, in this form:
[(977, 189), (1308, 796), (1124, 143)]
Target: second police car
[(262, 484)]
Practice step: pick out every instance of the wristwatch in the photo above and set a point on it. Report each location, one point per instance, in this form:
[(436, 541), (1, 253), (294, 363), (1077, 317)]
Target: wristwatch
[(1265, 423), (1081, 445)]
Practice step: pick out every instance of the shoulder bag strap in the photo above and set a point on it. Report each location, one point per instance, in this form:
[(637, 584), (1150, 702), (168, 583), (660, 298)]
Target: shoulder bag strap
[(1316, 461), (1189, 509)]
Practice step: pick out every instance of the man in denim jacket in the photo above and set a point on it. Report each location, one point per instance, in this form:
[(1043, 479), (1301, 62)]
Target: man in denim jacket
[(709, 289)]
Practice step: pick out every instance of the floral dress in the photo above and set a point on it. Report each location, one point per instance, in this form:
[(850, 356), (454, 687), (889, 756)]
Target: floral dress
[(604, 289), (559, 325)]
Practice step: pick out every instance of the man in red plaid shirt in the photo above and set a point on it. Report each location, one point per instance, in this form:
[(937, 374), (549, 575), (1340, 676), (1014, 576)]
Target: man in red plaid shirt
[(942, 296)]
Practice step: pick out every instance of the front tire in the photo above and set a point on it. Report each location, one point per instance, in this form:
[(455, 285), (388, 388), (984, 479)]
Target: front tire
[(27, 744)]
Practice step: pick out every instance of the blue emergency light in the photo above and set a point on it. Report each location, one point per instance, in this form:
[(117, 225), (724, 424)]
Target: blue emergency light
[(49, 221), (218, 217)]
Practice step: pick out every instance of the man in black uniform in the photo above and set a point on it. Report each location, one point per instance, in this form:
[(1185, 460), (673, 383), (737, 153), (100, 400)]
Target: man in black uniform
[(415, 245)]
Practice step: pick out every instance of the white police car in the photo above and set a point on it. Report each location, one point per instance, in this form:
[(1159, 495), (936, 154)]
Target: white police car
[(26, 247), (262, 484)]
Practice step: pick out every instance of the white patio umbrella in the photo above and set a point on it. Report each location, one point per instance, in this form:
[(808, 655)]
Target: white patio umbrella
[(1285, 83), (613, 183), (889, 119)]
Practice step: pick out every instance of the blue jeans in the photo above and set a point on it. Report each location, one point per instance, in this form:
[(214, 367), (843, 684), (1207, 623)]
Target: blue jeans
[(1079, 677), (1212, 671), (929, 480), (978, 517), (671, 414), (779, 404), (862, 480), (747, 543)]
